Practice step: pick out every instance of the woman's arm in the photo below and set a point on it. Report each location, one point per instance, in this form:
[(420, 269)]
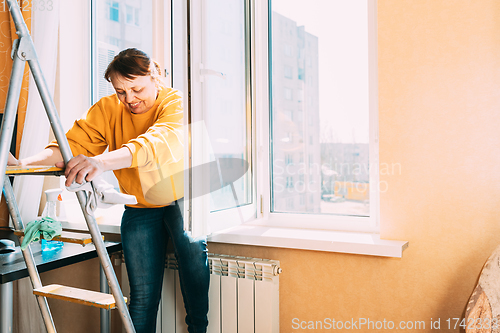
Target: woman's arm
[(48, 156), (81, 167)]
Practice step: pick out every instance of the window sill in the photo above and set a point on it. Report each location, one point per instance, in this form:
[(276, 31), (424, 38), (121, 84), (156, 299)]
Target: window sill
[(318, 240), (109, 221)]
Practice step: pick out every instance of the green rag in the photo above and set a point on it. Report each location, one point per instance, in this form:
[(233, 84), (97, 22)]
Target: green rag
[(46, 226)]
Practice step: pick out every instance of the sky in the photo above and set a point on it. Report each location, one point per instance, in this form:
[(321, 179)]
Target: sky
[(341, 27)]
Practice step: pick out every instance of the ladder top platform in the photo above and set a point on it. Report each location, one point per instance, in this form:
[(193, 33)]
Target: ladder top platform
[(42, 170)]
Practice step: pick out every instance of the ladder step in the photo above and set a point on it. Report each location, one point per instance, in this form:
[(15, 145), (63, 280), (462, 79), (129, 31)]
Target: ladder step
[(79, 296), (44, 170), (67, 237)]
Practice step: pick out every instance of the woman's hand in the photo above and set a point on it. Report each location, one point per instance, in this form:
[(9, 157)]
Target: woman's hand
[(81, 168), (12, 160)]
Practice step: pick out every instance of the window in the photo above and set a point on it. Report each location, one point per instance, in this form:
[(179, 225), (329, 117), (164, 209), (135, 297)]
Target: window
[(220, 56), (114, 41), (130, 14), (300, 116), (133, 15), (137, 17), (302, 76), (114, 10), (302, 199), (300, 95), (335, 73), (326, 67), (108, 40), (246, 110)]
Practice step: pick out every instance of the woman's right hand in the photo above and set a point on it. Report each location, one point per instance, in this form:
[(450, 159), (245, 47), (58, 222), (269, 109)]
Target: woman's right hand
[(81, 168)]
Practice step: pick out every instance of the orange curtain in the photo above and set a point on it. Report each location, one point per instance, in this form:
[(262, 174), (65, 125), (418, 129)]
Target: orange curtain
[(7, 36)]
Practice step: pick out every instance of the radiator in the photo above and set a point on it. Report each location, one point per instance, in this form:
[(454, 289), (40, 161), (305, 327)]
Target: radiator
[(244, 296)]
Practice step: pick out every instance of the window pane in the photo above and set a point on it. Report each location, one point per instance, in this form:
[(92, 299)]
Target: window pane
[(116, 28), (225, 96), (320, 76), (113, 32)]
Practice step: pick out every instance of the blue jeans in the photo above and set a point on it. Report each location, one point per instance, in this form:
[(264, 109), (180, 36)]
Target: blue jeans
[(145, 234)]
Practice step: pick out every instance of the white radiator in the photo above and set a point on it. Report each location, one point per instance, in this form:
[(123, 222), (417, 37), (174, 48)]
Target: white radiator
[(244, 296)]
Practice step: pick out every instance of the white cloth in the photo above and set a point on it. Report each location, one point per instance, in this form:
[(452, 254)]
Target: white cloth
[(101, 194)]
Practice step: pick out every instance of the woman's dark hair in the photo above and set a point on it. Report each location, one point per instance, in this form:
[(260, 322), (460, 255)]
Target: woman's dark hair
[(131, 63)]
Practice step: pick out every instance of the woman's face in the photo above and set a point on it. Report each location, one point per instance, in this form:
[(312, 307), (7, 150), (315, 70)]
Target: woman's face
[(138, 95)]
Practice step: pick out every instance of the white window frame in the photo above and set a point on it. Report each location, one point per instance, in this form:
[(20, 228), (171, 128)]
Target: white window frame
[(201, 220), (263, 109)]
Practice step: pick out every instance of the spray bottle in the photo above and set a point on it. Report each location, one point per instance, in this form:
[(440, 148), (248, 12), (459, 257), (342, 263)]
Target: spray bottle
[(52, 196)]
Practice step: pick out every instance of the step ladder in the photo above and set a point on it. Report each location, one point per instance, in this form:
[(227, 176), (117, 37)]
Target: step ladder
[(23, 51)]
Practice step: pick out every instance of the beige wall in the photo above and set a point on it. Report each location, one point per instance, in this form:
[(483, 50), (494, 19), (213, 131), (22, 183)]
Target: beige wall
[(439, 85)]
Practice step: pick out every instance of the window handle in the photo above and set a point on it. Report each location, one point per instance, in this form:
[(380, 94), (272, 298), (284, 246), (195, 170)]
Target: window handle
[(206, 71), (212, 72)]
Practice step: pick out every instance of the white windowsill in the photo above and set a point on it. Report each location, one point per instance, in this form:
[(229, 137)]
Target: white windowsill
[(319, 240), (109, 221)]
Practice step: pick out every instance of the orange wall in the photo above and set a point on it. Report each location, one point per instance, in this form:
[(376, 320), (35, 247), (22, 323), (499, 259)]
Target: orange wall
[(439, 85)]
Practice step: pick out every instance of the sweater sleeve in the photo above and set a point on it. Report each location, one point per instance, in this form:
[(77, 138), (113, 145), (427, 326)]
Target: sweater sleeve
[(162, 143), (87, 136)]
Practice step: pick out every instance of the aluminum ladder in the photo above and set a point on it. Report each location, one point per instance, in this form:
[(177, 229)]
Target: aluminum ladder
[(23, 50)]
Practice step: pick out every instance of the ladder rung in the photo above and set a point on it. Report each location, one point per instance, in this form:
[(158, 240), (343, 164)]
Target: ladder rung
[(67, 237), (45, 170), (79, 296)]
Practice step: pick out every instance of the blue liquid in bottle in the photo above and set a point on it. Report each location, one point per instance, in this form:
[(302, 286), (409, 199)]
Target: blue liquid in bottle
[(51, 245), (50, 211)]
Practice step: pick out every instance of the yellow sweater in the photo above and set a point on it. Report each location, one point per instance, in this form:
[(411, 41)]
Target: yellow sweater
[(155, 139)]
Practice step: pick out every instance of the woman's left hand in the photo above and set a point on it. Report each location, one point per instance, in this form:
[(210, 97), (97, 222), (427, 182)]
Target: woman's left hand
[(12, 160), (81, 168)]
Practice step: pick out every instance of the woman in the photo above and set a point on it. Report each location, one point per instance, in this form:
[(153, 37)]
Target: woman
[(142, 127)]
